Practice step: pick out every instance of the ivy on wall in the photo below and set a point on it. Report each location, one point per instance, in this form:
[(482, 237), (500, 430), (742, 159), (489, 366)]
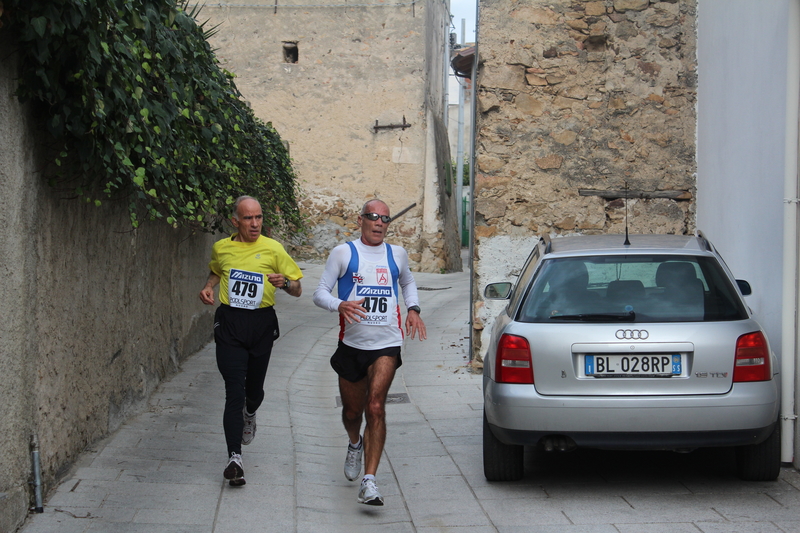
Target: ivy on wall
[(140, 111)]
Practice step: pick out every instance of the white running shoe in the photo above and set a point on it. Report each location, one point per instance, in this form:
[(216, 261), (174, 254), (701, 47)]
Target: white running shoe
[(234, 472), (249, 432), (352, 463), (369, 494)]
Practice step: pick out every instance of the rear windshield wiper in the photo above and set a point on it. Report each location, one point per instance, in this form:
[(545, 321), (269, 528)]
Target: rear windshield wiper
[(628, 316)]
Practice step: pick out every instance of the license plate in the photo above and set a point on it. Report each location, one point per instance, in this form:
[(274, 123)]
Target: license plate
[(622, 366)]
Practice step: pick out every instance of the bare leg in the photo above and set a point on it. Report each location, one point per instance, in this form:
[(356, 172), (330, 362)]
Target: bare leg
[(380, 376), (354, 398)]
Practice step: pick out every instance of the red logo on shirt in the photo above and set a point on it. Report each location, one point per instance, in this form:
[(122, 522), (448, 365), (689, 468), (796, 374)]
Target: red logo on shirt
[(383, 275), (358, 278)]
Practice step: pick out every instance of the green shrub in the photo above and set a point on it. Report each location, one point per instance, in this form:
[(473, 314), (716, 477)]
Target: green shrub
[(140, 111)]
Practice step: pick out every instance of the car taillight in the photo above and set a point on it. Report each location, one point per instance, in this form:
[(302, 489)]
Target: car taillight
[(514, 363), (752, 358)]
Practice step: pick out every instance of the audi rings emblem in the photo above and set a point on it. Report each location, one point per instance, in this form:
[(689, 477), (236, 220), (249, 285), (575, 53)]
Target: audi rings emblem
[(635, 334)]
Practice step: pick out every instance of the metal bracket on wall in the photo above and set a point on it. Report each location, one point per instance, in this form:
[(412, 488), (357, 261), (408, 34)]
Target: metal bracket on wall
[(402, 126)]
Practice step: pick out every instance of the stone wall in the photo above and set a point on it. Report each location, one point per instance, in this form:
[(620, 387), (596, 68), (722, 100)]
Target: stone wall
[(95, 315), (578, 100), (325, 74)]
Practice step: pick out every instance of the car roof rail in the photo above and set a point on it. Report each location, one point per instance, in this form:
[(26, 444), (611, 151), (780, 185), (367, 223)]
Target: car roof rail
[(704, 241), (548, 244)]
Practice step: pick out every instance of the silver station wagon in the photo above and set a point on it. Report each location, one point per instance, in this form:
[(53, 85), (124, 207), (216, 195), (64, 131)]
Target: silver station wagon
[(617, 342)]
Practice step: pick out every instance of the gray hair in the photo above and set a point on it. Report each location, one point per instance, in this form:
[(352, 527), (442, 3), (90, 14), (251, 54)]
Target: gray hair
[(240, 200), (364, 207)]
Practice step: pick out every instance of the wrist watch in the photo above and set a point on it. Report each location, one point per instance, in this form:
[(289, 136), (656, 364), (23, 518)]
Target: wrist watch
[(286, 283), (414, 308)]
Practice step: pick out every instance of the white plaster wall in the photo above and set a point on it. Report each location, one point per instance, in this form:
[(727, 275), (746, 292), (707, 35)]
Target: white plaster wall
[(742, 58)]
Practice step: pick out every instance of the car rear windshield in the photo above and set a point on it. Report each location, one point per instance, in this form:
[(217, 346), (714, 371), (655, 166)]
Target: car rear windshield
[(641, 288)]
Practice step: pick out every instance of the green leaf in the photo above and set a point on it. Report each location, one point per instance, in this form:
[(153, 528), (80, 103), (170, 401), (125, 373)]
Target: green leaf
[(137, 21), (138, 180), (39, 25)]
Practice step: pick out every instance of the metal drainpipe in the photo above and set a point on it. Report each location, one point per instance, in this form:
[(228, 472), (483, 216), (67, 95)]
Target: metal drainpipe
[(37, 474), (789, 324), (473, 104)]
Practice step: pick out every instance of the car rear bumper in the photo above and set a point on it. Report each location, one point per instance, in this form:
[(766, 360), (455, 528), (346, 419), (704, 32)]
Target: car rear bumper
[(640, 440), (744, 415)]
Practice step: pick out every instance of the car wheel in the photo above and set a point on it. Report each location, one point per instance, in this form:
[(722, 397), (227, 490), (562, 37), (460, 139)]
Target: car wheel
[(760, 462), (501, 462)]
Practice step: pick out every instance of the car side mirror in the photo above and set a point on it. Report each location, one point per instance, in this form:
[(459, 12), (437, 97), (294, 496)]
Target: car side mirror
[(497, 291), (744, 287)]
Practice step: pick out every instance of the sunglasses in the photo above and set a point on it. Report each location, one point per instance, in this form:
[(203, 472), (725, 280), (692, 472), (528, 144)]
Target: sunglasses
[(375, 216)]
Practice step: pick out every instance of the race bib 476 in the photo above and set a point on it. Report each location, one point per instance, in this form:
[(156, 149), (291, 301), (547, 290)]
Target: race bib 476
[(377, 302)]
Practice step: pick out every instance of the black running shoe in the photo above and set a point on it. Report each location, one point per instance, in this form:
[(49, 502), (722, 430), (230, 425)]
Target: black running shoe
[(234, 472)]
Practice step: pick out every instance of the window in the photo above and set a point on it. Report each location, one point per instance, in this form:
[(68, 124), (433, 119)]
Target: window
[(640, 288), (291, 54)]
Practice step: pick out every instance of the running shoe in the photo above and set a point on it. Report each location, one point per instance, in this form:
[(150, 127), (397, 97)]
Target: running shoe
[(249, 432), (369, 494), (352, 463), (234, 472)]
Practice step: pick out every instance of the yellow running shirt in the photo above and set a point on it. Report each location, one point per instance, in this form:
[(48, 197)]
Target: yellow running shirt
[(243, 268)]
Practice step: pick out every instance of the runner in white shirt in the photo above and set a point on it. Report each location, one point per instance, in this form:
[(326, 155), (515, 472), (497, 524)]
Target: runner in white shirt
[(368, 274)]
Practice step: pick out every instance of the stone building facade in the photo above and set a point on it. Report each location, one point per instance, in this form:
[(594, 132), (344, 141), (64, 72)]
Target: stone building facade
[(580, 103), (358, 92)]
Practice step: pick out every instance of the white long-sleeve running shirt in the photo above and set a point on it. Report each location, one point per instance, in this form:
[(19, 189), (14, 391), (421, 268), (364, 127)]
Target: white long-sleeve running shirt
[(375, 275)]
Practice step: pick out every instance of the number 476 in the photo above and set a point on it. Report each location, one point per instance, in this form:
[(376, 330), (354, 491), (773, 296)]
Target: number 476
[(375, 305)]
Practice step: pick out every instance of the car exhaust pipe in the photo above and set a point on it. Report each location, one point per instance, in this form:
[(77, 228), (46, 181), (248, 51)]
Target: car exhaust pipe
[(560, 443)]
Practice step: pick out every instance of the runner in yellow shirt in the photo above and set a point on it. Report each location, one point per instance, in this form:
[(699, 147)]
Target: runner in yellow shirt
[(249, 269)]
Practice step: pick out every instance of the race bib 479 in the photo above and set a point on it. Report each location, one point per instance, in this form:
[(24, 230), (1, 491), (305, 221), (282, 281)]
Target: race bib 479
[(245, 289)]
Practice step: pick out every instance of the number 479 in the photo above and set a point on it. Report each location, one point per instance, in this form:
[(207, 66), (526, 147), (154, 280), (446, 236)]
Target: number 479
[(240, 288)]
